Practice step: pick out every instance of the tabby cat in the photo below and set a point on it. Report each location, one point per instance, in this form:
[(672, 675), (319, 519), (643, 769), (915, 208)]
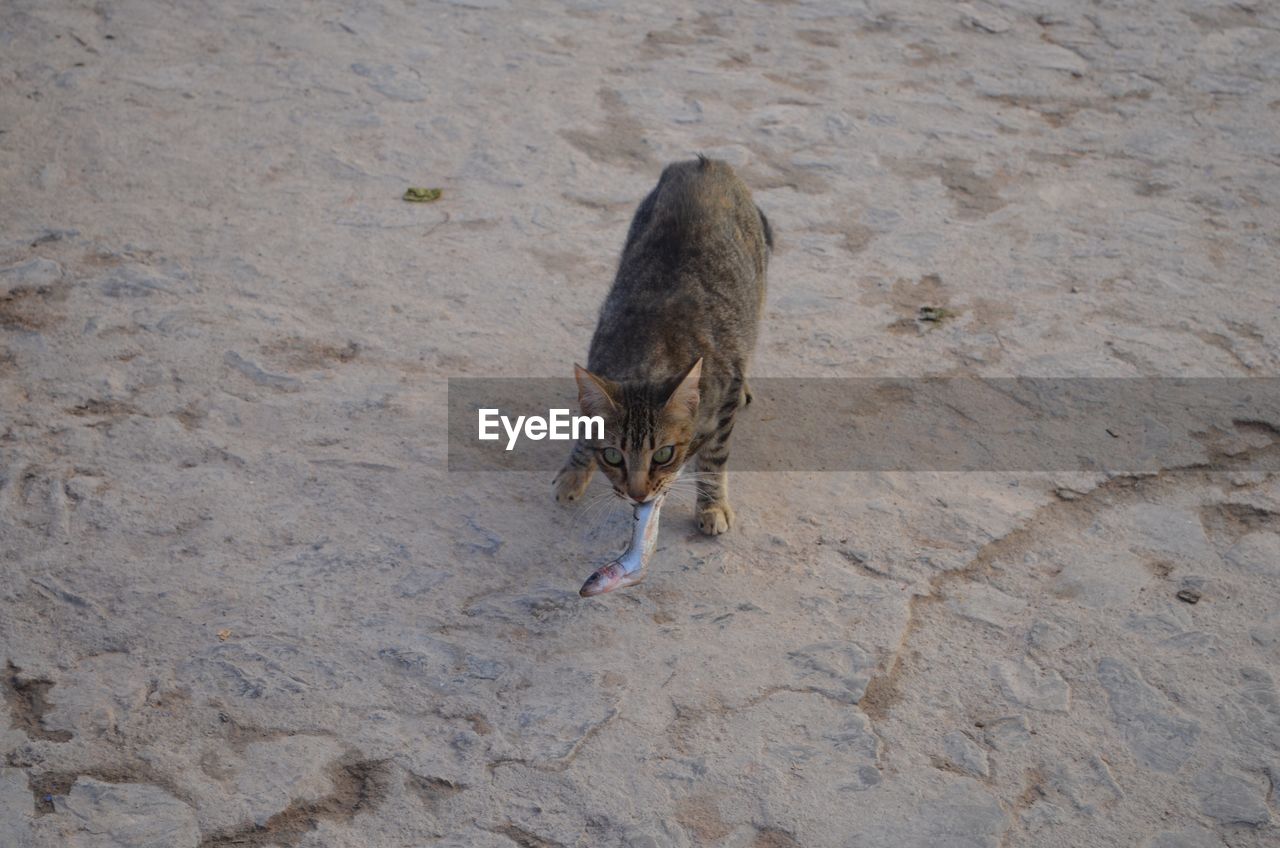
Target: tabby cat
[(668, 361)]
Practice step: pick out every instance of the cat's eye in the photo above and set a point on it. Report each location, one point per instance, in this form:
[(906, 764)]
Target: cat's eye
[(612, 456), (663, 454)]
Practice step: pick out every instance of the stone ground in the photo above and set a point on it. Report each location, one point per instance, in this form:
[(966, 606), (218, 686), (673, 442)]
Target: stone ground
[(242, 603)]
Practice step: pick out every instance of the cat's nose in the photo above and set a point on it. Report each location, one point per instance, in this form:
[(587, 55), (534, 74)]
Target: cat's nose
[(637, 492)]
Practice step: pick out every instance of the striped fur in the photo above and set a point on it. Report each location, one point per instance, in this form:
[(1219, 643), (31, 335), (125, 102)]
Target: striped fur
[(668, 362)]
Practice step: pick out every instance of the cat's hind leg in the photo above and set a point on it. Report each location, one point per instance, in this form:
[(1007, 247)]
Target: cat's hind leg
[(573, 478)]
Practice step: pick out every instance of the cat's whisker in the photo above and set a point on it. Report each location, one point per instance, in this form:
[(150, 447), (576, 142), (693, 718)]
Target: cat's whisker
[(683, 487), (690, 489), (587, 504), (593, 513), (587, 514), (604, 503), (682, 484), (600, 520)]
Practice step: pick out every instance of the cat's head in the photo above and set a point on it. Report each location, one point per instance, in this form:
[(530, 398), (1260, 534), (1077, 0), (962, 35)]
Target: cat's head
[(648, 428)]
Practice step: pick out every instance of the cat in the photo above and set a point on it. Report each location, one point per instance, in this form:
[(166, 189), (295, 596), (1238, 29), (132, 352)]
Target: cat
[(667, 367)]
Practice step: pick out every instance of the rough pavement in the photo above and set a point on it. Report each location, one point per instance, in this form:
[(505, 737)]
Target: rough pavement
[(243, 603)]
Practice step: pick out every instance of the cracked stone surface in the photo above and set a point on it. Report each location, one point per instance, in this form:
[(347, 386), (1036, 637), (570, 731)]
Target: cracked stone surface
[(243, 602), (1231, 799), (1150, 723), (1027, 684), (965, 754), (96, 814), (15, 807)]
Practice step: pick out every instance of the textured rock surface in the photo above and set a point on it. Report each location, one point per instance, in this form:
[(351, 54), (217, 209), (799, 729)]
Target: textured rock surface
[(243, 602), (1192, 837), (121, 815), (1160, 737), (16, 808), (1231, 799), (1026, 684), (965, 754)]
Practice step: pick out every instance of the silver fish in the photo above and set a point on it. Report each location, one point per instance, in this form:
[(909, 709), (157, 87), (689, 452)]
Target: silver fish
[(628, 569)]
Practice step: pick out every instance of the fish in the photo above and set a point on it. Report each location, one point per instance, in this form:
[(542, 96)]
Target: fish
[(628, 569)]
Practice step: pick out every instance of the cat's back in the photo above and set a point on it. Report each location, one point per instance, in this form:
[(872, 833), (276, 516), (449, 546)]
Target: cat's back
[(691, 281), (700, 216)]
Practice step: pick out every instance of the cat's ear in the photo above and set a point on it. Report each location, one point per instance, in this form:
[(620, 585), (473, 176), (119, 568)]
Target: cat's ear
[(684, 400), (595, 394)]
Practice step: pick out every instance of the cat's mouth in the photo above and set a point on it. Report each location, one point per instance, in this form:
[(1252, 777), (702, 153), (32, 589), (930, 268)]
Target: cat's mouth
[(649, 498)]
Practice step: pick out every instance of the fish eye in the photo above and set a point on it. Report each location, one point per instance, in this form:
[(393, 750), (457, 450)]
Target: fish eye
[(612, 456), (664, 454)]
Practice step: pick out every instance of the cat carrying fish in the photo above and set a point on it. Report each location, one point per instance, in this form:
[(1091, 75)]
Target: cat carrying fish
[(667, 367)]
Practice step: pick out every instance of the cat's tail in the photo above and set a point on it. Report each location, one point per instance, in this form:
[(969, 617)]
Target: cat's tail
[(768, 230)]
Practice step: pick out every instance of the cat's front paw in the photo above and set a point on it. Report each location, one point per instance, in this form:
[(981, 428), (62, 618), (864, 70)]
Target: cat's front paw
[(715, 518), (571, 483)]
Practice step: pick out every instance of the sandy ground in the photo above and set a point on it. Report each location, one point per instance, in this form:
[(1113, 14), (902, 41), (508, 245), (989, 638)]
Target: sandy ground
[(242, 602)]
